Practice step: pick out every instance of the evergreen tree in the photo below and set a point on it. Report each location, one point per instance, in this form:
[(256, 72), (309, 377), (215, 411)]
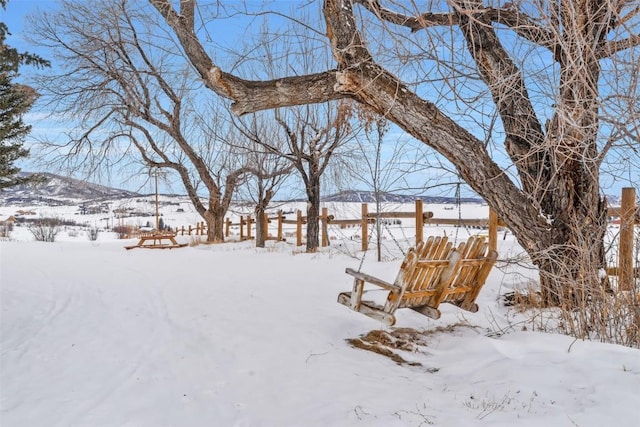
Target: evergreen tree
[(15, 101)]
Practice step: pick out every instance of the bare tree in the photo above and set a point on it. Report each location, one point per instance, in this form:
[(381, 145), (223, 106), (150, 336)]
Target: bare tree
[(267, 168), (135, 97), (313, 137), (548, 193), (310, 137)]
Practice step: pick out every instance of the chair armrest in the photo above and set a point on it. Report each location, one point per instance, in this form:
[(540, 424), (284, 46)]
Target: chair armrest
[(373, 280)]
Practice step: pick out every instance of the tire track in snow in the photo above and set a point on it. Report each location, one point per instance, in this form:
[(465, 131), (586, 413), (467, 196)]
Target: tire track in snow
[(149, 309)]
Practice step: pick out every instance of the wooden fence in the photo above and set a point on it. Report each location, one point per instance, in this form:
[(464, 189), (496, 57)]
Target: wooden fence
[(421, 219), (628, 213)]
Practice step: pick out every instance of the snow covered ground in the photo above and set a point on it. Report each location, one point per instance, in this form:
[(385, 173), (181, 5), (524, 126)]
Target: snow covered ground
[(230, 335)]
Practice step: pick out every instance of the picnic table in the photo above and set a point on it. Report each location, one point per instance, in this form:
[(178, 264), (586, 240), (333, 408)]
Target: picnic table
[(157, 241)]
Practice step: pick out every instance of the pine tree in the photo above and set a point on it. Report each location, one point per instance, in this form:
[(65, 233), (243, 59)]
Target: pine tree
[(15, 101)]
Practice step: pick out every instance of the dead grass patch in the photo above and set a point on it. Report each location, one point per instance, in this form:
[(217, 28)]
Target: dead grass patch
[(391, 343), (522, 300)]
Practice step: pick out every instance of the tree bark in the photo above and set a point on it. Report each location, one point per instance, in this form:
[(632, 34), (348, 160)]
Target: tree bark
[(260, 210), (313, 212)]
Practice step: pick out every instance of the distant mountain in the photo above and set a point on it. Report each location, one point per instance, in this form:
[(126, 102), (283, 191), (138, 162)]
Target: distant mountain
[(58, 190), (356, 196)]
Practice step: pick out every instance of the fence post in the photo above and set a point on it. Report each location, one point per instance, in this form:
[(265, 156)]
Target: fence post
[(189, 229), (248, 227), (241, 228), (625, 250), (227, 227), (419, 222), (265, 225), (280, 225), (323, 219), (365, 226), (493, 230), (299, 228)]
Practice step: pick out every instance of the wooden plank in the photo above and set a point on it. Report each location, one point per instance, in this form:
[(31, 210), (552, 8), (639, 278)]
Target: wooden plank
[(419, 221), (364, 226), (348, 221), (299, 229), (616, 211), (479, 222), (625, 245), (431, 312), (368, 310), (373, 280), (493, 229)]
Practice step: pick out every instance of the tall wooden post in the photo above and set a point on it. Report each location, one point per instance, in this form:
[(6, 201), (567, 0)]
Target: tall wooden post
[(365, 226), (241, 228), (419, 222), (157, 209), (265, 225), (248, 227), (625, 247), (493, 230), (280, 217), (299, 228), (324, 218), (189, 229), (227, 227)]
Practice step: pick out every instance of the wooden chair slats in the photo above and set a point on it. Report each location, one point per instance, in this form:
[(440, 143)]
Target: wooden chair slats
[(432, 273)]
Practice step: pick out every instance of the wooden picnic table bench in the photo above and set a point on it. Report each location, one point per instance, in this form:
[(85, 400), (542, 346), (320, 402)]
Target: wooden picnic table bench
[(157, 241)]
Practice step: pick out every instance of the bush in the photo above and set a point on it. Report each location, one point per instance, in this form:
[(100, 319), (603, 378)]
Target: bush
[(124, 231), (92, 234), (45, 229), (5, 230)]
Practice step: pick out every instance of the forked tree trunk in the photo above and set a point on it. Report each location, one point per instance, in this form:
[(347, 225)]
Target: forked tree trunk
[(214, 217)]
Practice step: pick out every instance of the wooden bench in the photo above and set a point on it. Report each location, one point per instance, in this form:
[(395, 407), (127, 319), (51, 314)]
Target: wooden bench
[(432, 273), (157, 241)]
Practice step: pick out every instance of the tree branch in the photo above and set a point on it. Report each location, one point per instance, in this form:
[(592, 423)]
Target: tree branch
[(519, 22), (248, 96), (612, 47)]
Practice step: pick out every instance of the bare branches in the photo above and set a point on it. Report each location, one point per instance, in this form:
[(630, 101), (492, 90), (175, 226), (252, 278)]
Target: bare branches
[(609, 49), (508, 16)]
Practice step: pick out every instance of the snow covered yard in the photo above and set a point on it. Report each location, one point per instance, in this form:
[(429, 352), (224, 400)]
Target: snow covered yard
[(227, 335)]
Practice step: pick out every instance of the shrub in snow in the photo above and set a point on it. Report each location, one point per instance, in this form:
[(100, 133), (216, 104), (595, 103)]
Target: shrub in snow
[(5, 229), (45, 229), (92, 233)]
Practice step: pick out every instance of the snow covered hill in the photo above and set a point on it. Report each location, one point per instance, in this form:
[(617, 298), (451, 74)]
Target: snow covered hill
[(56, 190)]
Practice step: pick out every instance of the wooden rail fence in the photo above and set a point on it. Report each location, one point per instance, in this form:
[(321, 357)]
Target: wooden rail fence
[(628, 213)]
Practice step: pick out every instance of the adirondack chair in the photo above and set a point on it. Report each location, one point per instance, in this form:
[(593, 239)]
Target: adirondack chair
[(433, 272)]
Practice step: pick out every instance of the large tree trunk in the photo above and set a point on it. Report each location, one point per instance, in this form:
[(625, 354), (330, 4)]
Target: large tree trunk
[(260, 210), (261, 232), (313, 212), (214, 217), (572, 257)]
